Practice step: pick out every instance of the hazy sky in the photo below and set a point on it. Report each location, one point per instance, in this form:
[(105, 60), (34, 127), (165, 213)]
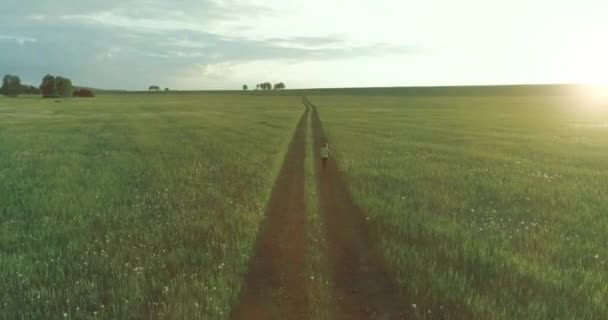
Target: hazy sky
[(222, 44)]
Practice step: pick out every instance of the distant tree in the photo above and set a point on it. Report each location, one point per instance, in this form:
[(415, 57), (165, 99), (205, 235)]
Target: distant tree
[(11, 85), (64, 87), (48, 88), (84, 93), (166, 89), (245, 87), (28, 89), (265, 86), (154, 88), (56, 87), (257, 86), (279, 86)]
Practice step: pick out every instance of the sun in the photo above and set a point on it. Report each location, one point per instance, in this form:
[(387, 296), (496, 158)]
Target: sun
[(593, 71)]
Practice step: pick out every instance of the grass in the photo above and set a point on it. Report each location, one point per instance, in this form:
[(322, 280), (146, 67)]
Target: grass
[(489, 207), (134, 206), (488, 204)]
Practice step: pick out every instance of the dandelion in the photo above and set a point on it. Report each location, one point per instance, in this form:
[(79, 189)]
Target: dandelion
[(597, 256), (65, 314)]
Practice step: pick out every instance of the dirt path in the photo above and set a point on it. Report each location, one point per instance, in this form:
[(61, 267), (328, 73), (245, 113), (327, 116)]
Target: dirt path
[(276, 283), (275, 286), (361, 287)]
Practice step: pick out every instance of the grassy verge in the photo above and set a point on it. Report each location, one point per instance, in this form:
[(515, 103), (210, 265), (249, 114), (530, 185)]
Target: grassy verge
[(134, 206), (485, 207), (319, 293)]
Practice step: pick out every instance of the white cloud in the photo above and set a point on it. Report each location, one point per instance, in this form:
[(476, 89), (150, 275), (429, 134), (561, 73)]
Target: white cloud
[(21, 40)]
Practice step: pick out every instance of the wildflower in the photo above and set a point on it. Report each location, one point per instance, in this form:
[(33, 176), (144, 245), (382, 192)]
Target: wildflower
[(65, 314), (413, 305), (597, 256)]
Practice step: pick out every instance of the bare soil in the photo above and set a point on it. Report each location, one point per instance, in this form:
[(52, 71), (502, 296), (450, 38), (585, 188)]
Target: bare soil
[(362, 288)]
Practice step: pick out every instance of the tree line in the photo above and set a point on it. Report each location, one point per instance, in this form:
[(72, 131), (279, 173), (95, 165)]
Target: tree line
[(267, 86), (12, 87), (156, 88), (51, 87)]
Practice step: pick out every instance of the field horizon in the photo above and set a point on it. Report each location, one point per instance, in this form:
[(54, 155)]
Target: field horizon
[(477, 89)]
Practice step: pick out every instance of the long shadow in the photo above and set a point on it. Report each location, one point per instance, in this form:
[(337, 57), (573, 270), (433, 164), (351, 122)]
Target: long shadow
[(275, 286)]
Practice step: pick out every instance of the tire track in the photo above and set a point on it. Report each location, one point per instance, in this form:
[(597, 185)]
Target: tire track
[(362, 289), (276, 284)]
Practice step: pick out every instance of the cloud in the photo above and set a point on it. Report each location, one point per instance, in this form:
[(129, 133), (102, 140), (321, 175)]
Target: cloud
[(19, 39), (132, 43)]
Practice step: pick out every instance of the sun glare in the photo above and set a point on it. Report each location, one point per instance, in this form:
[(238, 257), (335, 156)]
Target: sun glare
[(594, 96)]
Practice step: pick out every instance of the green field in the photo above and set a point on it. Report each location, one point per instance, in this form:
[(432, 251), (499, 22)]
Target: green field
[(488, 204), (136, 206), (495, 205)]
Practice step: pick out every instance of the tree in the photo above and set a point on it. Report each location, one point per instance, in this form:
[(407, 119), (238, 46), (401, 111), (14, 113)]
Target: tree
[(49, 87), (28, 89), (56, 87), (166, 89), (154, 88), (265, 86), (64, 87), (245, 87), (279, 86), (11, 85)]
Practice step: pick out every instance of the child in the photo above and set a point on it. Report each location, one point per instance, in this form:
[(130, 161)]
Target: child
[(325, 153)]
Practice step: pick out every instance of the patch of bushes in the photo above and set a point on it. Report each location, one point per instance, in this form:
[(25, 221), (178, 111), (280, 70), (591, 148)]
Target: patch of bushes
[(84, 93)]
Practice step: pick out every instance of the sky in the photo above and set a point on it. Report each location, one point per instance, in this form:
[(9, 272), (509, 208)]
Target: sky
[(223, 44)]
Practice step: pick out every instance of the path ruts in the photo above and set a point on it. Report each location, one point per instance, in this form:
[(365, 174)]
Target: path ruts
[(276, 283), (361, 287)]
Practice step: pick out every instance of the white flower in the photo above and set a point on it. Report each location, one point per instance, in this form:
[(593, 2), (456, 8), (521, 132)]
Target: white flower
[(597, 256), (413, 305)]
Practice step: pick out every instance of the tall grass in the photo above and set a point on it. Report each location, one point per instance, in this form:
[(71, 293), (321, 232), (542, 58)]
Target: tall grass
[(138, 206), (485, 207)]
